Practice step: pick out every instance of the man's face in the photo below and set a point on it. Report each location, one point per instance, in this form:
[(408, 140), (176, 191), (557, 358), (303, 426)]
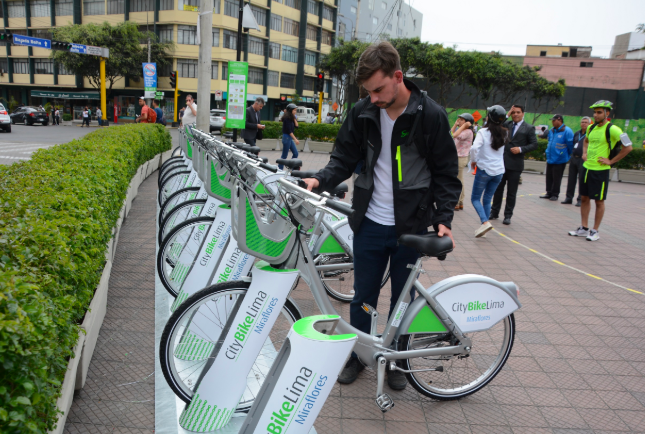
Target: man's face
[(189, 101), (517, 114), (599, 115), (383, 90), (141, 102), (557, 123), (257, 106), (584, 123)]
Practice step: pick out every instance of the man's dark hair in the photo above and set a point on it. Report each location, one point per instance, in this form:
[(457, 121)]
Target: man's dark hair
[(521, 107), (259, 100), (543, 128), (155, 102), (191, 97), (378, 57)]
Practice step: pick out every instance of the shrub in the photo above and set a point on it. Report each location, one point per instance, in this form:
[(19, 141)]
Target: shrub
[(316, 132), (540, 153), (67, 117), (57, 212), (635, 160)]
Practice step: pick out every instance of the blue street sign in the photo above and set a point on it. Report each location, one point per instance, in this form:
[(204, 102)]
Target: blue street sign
[(150, 79), (78, 48), (32, 42)]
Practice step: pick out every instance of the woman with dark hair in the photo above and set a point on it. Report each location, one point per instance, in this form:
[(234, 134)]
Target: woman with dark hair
[(487, 154), (289, 124)]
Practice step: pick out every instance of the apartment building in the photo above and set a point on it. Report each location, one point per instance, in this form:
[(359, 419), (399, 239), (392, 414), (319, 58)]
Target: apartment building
[(557, 51), (282, 56), (367, 20)]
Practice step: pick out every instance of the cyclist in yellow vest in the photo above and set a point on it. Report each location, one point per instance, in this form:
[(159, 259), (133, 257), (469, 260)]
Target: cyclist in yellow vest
[(594, 179)]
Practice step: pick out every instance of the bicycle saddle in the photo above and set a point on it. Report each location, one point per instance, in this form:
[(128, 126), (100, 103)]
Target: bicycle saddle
[(292, 164), (303, 173), (428, 244), (228, 134), (248, 148)]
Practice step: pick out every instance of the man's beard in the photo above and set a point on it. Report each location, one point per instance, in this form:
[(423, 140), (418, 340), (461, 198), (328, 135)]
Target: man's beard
[(392, 101)]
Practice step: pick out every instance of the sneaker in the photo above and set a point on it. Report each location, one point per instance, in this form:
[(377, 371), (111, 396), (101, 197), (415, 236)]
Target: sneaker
[(593, 236), (350, 372), (396, 380), (580, 232), (483, 229)]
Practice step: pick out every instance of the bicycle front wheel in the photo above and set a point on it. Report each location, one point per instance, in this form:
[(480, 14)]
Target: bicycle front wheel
[(461, 376), (339, 284), (192, 337), (179, 214), (172, 183), (176, 199)]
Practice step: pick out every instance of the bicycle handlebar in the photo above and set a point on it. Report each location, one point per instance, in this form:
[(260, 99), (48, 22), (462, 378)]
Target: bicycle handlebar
[(338, 206)]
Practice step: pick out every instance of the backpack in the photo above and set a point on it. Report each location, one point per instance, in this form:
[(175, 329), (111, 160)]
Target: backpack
[(617, 148), (152, 116)]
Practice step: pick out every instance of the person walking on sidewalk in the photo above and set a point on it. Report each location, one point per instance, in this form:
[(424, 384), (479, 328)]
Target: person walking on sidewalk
[(408, 182), (575, 163), (558, 152), (462, 132), (86, 118), (599, 145), (289, 140), (522, 140), (253, 127)]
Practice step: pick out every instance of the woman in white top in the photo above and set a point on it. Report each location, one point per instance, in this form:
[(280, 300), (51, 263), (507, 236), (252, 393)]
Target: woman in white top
[(487, 154)]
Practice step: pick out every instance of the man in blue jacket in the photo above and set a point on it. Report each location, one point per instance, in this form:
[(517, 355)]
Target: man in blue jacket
[(558, 153)]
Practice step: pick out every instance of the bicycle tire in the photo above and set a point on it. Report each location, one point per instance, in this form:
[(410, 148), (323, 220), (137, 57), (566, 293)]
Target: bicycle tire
[(166, 265), (171, 160), (163, 175), (168, 182), (186, 312), (167, 208), (163, 232), (348, 296), (423, 386)]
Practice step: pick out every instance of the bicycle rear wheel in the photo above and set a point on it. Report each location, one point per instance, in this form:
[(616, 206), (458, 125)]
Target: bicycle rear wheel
[(192, 336), (339, 284), (461, 376), (178, 215)]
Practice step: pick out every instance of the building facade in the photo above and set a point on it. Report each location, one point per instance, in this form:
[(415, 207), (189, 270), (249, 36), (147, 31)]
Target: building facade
[(367, 20), (625, 43), (557, 51), (282, 56)]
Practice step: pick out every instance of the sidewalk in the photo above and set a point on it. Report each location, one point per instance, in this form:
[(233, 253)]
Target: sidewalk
[(577, 365)]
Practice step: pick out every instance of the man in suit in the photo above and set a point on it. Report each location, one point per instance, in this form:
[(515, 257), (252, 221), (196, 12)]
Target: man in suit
[(253, 128), (523, 140)]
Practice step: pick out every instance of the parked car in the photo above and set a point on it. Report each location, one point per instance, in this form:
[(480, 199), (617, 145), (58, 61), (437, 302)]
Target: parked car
[(5, 119), (218, 119), (29, 116), (306, 115)]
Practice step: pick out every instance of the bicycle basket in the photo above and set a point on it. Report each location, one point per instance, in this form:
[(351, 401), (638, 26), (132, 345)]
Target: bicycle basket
[(267, 237), (218, 180)]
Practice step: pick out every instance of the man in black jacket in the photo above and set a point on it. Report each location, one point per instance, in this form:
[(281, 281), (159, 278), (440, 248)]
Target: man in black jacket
[(575, 163), (253, 127), (408, 182), (523, 140)]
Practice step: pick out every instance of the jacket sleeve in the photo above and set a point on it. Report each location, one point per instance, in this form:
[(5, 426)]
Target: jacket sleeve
[(250, 125), (568, 138), (532, 143), (443, 163), (474, 150), (346, 153)]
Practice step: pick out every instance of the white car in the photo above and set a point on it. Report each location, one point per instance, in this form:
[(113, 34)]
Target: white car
[(218, 119), (5, 119), (306, 115)]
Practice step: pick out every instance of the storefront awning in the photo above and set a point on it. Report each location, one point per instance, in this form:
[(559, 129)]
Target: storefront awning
[(65, 95)]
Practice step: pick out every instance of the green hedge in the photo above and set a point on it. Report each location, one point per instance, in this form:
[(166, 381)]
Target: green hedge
[(57, 212), (635, 160), (315, 132)]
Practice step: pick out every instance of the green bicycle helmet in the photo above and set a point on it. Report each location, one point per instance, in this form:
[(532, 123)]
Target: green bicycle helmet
[(602, 104)]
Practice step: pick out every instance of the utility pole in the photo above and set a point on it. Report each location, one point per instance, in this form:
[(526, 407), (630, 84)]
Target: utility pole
[(150, 101), (358, 11), (204, 64), (239, 47)]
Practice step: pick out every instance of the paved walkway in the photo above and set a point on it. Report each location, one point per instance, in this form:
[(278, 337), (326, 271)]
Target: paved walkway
[(578, 362)]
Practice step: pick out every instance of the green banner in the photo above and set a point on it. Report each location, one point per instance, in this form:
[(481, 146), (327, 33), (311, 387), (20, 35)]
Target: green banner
[(65, 95), (238, 73)]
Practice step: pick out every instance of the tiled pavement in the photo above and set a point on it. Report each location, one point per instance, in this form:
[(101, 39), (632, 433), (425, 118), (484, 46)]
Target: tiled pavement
[(578, 362)]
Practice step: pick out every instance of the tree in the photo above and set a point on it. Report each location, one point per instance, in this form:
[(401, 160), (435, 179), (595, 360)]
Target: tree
[(126, 51)]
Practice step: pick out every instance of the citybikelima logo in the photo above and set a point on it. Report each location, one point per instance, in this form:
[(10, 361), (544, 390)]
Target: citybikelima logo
[(477, 305), (253, 310), (208, 252), (281, 419)]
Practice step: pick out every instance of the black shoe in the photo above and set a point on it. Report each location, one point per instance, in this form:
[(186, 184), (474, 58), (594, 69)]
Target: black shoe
[(545, 196), (507, 221), (567, 201), (578, 204), (493, 217), (553, 198), (350, 372), (396, 380)]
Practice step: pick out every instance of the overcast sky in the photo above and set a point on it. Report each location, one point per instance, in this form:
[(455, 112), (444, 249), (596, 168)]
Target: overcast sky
[(510, 26)]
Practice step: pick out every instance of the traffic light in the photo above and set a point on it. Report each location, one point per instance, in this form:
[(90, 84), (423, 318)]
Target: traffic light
[(61, 46), (173, 79), (6, 36), (320, 82)]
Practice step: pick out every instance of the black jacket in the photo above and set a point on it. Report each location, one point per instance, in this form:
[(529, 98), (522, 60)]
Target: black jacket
[(525, 138), (432, 179), (250, 131)]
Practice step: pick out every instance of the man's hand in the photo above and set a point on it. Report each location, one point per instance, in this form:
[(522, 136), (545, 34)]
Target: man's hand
[(584, 157), (311, 183), (261, 127), (445, 231), (516, 150), (603, 160)]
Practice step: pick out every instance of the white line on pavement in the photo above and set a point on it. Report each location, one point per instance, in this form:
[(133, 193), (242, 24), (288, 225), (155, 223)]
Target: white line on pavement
[(6, 157)]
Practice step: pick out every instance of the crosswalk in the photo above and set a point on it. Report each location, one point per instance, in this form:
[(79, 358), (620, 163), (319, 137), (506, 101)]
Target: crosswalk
[(10, 152)]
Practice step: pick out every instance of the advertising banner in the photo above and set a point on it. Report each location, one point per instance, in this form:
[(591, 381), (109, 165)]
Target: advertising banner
[(238, 73), (150, 79)]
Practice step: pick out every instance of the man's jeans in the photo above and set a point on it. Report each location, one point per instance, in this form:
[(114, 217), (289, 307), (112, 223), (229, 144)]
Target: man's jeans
[(374, 245), (486, 184), (288, 145)]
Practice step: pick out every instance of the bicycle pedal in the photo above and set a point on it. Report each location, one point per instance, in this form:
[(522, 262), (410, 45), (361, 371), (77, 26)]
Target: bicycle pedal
[(384, 402)]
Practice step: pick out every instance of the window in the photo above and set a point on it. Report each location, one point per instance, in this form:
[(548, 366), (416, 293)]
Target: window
[(312, 7), (230, 40), (308, 83), (291, 27), (188, 5), (93, 7), (142, 5), (399, 32), (326, 36), (164, 71), (16, 9), (274, 50), (224, 71), (231, 8), (383, 5), (256, 75), (310, 58), (414, 23), (115, 7), (186, 35), (276, 23), (39, 8), (312, 32), (4, 63), (215, 37), (586, 64), (289, 54), (342, 29), (260, 15), (44, 66), (214, 70), (370, 5), (328, 13), (278, 1), (187, 68), (389, 26), (375, 21), (21, 66), (273, 78), (256, 46), (167, 5), (165, 33), (542, 53), (41, 33), (292, 3), (288, 80), (64, 71), (63, 7), (352, 9)]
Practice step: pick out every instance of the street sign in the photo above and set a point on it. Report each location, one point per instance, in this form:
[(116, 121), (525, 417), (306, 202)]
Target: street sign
[(78, 48), (477, 116), (159, 95), (32, 42), (149, 79), (335, 106), (218, 95), (236, 102)]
